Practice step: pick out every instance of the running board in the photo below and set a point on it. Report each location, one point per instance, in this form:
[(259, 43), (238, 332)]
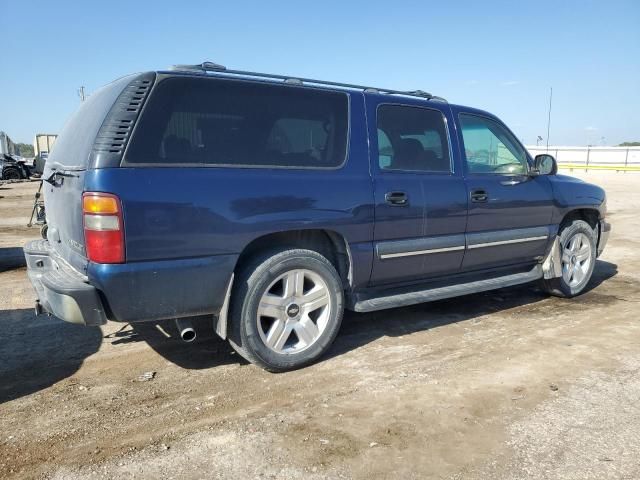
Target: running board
[(411, 298)]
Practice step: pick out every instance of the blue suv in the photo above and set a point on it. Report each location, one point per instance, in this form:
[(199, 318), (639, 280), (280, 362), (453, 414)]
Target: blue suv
[(271, 203)]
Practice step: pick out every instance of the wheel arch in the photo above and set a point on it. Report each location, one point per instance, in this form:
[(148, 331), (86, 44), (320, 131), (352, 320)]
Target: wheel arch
[(333, 245), (329, 243), (589, 215)]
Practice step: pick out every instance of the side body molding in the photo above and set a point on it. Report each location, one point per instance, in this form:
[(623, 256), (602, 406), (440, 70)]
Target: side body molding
[(420, 246), (450, 243), (506, 237)]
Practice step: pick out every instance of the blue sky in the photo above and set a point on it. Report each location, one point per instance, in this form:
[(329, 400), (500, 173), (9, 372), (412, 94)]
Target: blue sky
[(501, 56)]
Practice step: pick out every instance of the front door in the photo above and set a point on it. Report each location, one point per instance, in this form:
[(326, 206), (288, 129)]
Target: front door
[(509, 210), (420, 200)]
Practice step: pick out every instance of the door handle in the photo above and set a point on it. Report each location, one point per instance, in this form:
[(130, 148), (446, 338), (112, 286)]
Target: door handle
[(397, 199), (479, 196)]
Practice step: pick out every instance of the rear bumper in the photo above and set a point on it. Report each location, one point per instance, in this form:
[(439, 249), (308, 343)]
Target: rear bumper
[(605, 231), (61, 290), (128, 292), (164, 289)]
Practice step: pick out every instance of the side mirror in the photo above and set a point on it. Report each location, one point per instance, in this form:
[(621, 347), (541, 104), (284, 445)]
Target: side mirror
[(545, 164)]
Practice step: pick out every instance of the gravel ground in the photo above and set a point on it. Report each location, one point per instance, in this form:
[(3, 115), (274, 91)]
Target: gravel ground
[(506, 385)]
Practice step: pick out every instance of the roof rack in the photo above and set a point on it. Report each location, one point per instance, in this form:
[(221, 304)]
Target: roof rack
[(215, 67)]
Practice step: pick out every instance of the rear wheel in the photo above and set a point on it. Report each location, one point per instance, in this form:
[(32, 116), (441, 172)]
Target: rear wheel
[(11, 173), (286, 309), (578, 254)]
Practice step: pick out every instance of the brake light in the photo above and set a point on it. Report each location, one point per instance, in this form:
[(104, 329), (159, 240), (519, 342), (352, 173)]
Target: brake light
[(103, 227)]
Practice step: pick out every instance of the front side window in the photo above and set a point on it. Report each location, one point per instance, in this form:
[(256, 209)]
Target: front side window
[(412, 139), (491, 148), (220, 122)]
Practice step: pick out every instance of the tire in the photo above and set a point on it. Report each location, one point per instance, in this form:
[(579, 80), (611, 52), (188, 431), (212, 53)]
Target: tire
[(11, 173), (286, 309), (44, 230), (578, 253)]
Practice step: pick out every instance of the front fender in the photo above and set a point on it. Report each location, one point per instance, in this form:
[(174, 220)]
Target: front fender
[(573, 194)]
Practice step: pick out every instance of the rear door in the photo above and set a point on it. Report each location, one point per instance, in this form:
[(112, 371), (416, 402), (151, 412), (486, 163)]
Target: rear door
[(420, 198), (509, 210), (66, 169)]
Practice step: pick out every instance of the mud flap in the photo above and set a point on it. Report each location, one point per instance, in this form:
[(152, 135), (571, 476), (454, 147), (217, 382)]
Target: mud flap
[(221, 326), (552, 264)]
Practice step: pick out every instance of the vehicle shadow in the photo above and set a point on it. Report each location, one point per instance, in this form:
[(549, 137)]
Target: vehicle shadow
[(207, 351), (36, 352), (359, 329), (11, 257), (602, 271)]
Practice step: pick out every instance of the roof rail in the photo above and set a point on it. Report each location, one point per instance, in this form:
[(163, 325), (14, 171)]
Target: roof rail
[(215, 67)]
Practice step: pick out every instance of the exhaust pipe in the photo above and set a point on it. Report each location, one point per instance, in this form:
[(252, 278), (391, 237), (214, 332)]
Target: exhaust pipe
[(38, 308), (186, 330)]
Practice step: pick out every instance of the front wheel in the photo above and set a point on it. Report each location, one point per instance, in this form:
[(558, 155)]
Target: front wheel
[(286, 309), (578, 253), (11, 173)]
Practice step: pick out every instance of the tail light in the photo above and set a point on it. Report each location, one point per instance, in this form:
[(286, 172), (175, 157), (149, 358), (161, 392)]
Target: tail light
[(103, 227)]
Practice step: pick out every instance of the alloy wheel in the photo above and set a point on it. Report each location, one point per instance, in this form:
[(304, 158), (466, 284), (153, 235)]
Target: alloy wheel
[(294, 311), (576, 259)]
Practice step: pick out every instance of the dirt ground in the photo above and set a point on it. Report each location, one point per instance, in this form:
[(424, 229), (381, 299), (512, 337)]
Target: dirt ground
[(502, 385)]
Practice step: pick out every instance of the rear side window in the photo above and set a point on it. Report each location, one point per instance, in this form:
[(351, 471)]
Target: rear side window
[(235, 123), (412, 139)]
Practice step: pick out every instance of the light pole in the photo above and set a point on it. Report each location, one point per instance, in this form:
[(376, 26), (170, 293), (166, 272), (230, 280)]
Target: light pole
[(549, 118)]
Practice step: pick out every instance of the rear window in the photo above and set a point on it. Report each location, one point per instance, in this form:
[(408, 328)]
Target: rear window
[(236, 123), (75, 142)]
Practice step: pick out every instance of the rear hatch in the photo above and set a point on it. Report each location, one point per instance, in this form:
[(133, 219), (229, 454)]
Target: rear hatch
[(89, 137)]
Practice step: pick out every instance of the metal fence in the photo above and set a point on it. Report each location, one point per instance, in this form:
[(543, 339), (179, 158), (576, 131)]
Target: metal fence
[(597, 158)]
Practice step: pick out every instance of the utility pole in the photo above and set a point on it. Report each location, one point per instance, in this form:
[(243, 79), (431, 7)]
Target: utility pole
[(81, 93), (549, 117)]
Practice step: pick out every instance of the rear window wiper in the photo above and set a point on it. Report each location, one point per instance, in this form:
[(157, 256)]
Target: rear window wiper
[(51, 179)]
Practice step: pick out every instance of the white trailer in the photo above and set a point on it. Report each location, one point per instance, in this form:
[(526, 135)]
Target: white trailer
[(43, 143)]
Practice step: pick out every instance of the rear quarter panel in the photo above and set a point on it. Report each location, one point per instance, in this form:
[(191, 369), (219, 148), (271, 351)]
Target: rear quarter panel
[(184, 216)]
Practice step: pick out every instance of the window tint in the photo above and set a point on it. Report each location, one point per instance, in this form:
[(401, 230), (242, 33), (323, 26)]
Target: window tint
[(299, 136), (490, 148), (219, 122), (412, 138)]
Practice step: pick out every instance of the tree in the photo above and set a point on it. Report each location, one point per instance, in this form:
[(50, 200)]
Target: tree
[(26, 149), (629, 144)]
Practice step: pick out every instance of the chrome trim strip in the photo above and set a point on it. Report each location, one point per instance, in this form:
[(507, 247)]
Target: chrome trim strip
[(507, 242), (420, 252)]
